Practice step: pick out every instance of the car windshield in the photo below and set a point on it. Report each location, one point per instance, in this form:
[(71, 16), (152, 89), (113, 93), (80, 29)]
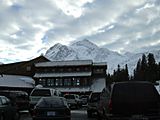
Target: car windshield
[(40, 92), (50, 102)]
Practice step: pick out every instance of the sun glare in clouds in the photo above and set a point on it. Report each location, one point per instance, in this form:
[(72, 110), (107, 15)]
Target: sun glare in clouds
[(155, 43), (72, 7)]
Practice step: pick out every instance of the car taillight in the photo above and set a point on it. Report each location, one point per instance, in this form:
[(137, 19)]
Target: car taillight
[(110, 105)]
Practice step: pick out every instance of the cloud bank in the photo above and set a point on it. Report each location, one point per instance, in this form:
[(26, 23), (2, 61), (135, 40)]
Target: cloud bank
[(29, 27)]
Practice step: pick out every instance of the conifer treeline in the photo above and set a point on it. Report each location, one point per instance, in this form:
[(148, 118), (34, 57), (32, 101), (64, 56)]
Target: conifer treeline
[(146, 70)]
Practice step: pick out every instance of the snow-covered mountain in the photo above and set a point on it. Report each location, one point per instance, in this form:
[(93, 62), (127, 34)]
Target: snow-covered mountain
[(84, 50)]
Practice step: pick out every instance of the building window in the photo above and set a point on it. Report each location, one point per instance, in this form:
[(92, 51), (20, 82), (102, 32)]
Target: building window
[(67, 82), (50, 82), (84, 82), (60, 82), (69, 69), (28, 68), (99, 70), (42, 82), (53, 70), (86, 68), (77, 69), (76, 81), (56, 82), (61, 69), (45, 70)]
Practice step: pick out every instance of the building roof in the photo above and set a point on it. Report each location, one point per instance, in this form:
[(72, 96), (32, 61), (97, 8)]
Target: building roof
[(73, 74), (16, 81), (100, 64), (64, 63)]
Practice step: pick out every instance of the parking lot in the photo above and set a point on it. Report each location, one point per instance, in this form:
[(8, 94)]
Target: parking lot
[(76, 115)]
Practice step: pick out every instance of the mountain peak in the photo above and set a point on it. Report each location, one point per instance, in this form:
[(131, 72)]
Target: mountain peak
[(54, 48), (86, 43)]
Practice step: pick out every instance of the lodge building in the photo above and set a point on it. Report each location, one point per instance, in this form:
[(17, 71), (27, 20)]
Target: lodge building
[(70, 74)]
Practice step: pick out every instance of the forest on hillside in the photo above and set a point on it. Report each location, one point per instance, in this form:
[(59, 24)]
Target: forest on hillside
[(147, 69)]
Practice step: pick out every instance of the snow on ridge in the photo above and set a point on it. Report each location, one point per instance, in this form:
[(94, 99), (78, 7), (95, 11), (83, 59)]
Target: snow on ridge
[(84, 50), (85, 43)]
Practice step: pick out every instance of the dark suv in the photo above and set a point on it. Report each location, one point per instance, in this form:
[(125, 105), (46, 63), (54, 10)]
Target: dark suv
[(130, 101)]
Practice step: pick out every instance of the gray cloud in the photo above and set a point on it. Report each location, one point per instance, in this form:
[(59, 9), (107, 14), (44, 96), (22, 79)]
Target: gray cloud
[(29, 26)]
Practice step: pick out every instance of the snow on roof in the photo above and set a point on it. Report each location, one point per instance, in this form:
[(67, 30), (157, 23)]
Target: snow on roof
[(64, 63), (98, 85), (38, 75), (100, 63), (16, 81)]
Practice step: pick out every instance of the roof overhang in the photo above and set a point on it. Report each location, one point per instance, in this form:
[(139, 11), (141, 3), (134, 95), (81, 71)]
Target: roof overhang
[(73, 74)]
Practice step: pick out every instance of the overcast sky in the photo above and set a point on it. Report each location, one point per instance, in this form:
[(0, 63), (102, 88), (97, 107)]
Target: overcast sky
[(29, 27)]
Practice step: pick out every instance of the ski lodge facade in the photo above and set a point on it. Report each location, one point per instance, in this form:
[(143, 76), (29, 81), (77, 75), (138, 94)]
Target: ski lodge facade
[(70, 76), (73, 76)]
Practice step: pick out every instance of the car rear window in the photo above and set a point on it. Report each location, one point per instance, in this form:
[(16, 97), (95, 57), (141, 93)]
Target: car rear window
[(134, 98), (133, 92), (41, 92), (50, 102)]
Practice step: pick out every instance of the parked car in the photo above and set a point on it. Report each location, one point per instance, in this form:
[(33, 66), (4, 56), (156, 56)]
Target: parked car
[(84, 99), (73, 100), (37, 93), (93, 104), (130, 100), (51, 108), (20, 98), (8, 110)]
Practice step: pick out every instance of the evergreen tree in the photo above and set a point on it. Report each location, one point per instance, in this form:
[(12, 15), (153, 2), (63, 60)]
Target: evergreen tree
[(158, 72), (108, 80), (144, 62), (137, 75), (151, 60), (126, 73), (121, 74), (152, 68), (143, 69)]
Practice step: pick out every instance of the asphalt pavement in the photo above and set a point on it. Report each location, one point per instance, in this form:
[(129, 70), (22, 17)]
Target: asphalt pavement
[(80, 114)]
